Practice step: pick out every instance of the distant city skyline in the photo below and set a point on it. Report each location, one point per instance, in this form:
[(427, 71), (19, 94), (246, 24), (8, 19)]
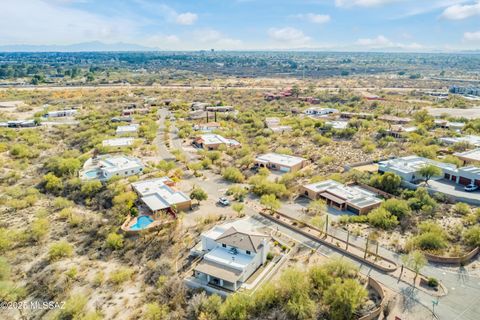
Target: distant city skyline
[(344, 25)]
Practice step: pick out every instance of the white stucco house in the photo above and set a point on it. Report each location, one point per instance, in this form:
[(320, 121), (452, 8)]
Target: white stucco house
[(106, 167), (230, 256)]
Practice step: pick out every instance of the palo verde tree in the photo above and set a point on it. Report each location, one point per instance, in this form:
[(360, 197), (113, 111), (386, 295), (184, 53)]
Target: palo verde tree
[(429, 171), (415, 260)]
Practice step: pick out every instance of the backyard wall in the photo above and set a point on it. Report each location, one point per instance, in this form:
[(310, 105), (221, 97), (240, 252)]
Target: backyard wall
[(452, 260)]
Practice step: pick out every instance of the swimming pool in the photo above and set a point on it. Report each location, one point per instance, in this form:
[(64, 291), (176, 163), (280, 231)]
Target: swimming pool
[(142, 223), (92, 174)]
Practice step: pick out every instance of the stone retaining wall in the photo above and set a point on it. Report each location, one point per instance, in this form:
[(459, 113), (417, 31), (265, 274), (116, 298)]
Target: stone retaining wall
[(452, 260), (327, 243), (375, 313)]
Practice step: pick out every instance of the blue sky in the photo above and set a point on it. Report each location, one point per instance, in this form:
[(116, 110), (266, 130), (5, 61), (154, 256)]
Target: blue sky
[(389, 25)]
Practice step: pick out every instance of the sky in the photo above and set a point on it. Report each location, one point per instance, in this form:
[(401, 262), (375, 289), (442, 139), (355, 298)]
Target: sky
[(350, 25)]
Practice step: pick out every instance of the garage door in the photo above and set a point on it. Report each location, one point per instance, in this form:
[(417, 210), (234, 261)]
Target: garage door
[(284, 169), (464, 181)]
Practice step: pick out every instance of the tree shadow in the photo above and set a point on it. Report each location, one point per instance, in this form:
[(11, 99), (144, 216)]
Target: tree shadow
[(409, 298)]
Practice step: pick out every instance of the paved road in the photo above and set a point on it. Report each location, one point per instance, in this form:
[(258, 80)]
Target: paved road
[(163, 151), (462, 302)]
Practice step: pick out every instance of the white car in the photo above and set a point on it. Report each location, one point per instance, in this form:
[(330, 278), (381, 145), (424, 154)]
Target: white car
[(471, 187)]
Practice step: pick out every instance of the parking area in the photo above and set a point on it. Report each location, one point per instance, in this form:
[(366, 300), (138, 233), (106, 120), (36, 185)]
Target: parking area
[(455, 191)]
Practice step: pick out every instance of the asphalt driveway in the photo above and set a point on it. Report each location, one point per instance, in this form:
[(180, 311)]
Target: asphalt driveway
[(455, 191)]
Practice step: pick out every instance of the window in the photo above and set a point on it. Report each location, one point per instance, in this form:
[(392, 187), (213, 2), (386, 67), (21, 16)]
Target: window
[(224, 245), (248, 252)]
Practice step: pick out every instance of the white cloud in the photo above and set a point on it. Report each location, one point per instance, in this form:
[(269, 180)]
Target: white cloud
[(315, 18), (460, 12), (382, 42), (362, 3), (44, 22), (161, 41), (214, 38), (288, 35), (472, 36), (186, 18), (171, 15)]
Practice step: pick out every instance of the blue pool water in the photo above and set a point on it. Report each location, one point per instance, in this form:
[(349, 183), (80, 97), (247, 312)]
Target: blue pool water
[(92, 174), (142, 223)]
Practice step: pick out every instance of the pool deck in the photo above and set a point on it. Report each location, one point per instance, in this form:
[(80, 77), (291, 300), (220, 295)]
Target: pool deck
[(157, 223)]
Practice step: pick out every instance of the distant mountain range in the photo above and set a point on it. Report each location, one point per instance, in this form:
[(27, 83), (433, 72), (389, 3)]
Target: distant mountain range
[(77, 47), (98, 46)]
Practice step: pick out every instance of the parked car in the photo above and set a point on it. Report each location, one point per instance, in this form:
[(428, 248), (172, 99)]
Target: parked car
[(471, 187), (224, 201)]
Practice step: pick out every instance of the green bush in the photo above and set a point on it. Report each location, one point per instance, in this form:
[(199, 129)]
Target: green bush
[(233, 174), (381, 218), (60, 250), (471, 236), (430, 241), (115, 241), (432, 282), (121, 275)]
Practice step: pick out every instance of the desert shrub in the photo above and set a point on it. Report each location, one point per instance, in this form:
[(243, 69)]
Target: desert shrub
[(52, 183), (388, 182), (233, 174), (61, 203), (156, 311), (115, 241), (471, 236), (344, 297), (430, 241), (60, 250), (39, 229), (73, 307), (382, 218), (90, 188), (432, 282), (121, 275), (6, 239), (21, 151), (461, 208), (63, 166), (261, 186), (398, 208)]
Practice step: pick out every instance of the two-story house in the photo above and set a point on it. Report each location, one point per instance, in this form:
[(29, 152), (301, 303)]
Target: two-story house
[(230, 256)]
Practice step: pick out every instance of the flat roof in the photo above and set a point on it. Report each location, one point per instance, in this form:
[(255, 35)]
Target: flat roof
[(157, 195), (129, 128), (471, 139), (118, 142), (340, 193), (117, 163), (412, 164), (470, 169), (229, 258), (218, 139), (218, 271), (281, 159), (473, 155), (338, 124)]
